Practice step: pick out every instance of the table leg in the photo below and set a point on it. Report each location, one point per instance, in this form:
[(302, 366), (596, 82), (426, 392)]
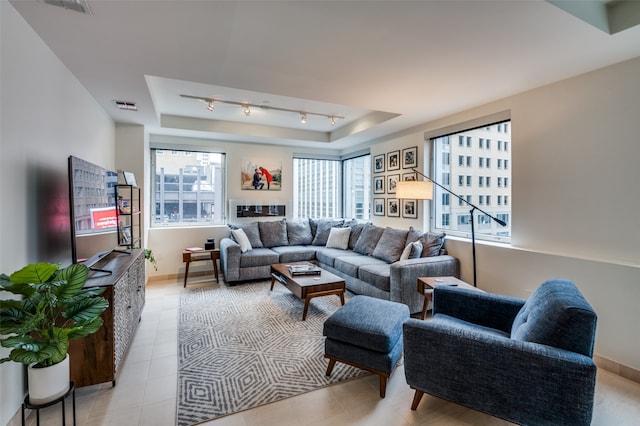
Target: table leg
[(306, 306), (273, 280), (215, 267), (425, 305), (186, 273)]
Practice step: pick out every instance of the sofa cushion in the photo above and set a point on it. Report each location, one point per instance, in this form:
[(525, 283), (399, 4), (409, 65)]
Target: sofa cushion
[(390, 244), (350, 264), (273, 234), (376, 275), (368, 239), (557, 315), (328, 256), (412, 251), (339, 238), (431, 243), (323, 227), (252, 231), (242, 240), (258, 257), (295, 253), (299, 233)]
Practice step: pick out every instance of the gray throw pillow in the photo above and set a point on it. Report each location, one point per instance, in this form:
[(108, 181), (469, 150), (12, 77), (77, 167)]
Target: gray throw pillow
[(273, 234), (368, 240), (299, 233), (323, 227), (413, 235), (356, 230), (252, 231), (412, 251), (431, 243), (390, 245)]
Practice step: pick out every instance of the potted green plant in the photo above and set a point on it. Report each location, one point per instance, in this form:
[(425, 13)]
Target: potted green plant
[(148, 254), (55, 307)]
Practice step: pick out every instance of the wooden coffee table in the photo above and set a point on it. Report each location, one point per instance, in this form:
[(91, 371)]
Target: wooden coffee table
[(428, 283), (306, 287)]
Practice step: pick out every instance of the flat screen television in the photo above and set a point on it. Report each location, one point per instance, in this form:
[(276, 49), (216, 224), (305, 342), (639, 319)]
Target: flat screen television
[(92, 201)]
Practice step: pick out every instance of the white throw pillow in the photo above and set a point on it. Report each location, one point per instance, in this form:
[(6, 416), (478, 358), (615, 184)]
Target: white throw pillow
[(339, 238), (242, 239), (412, 251)]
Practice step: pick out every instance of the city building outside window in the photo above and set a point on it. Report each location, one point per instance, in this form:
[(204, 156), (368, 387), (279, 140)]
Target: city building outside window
[(474, 143), (188, 188)]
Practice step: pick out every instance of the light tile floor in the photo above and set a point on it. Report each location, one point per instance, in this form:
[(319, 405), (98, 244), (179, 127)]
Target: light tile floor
[(146, 389)]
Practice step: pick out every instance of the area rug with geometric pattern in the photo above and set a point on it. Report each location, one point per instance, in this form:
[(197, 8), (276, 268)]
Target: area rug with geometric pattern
[(243, 346)]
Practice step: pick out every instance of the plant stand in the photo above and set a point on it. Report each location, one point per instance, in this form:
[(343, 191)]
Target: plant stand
[(72, 390)]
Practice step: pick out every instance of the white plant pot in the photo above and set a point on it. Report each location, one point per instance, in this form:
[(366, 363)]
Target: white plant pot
[(48, 383)]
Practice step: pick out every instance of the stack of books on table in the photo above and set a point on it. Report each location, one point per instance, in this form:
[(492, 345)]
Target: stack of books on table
[(309, 269)]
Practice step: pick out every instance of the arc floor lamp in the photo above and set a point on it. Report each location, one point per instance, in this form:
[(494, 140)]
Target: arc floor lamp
[(423, 190)]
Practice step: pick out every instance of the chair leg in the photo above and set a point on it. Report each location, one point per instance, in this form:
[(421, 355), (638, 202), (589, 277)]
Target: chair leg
[(332, 362), (383, 386), (416, 399)]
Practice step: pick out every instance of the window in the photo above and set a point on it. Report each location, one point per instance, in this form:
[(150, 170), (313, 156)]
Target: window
[(356, 174), (188, 188), (317, 187), (445, 199), (494, 200)]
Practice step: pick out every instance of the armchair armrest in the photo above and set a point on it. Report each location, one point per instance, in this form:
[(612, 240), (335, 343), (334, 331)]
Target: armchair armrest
[(486, 309), (526, 382)]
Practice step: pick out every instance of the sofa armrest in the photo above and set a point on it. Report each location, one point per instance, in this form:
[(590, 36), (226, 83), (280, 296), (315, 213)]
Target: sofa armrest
[(525, 382), (404, 274), (477, 307), (230, 259)]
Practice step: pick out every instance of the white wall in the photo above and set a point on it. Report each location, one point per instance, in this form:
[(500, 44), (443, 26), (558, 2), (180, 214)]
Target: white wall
[(46, 115)]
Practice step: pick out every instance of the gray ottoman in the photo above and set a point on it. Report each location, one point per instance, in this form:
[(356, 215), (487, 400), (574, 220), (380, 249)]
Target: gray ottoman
[(366, 333)]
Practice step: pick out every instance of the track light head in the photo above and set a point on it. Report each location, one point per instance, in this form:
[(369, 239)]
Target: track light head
[(210, 107), (303, 117), (332, 120), (247, 110)]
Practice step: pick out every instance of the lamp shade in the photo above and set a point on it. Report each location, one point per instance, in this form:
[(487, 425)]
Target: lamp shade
[(414, 190)]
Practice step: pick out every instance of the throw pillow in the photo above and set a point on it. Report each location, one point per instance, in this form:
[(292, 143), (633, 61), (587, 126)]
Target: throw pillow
[(368, 240), (252, 231), (299, 233), (323, 227), (412, 251), (431, 243), (339, 238), (242, 239), (273, 234), (356, 230), (390, 245)]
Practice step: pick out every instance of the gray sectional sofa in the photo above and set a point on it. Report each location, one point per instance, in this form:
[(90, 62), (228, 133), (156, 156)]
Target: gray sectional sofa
[(374, 261)]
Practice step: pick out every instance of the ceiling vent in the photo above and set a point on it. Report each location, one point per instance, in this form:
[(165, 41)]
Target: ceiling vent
[(129, 106), (75, 5)]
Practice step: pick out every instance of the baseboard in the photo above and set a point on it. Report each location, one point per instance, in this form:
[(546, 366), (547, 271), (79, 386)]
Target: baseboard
[(617, 368), (181, 276)]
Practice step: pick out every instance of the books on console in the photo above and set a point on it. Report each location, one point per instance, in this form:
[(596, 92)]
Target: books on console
[(308, 269)]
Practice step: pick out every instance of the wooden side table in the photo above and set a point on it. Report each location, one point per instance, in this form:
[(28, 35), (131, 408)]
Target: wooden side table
[(189, 256), (426, 284)]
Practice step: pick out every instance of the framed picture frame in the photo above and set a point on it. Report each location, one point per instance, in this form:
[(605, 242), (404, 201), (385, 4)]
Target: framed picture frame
[(130, 178), (378, 163), (392, 183), (393, 207), (378, 184), (410, 176), (410, 157), (410, 209), (393, 160), (378, 206)]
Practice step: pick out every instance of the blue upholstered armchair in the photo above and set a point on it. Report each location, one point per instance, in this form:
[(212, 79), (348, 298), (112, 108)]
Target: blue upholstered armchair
[(529, 362)]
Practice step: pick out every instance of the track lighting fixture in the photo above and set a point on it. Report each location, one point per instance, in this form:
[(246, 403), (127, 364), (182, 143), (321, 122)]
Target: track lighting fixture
[(246, 108)]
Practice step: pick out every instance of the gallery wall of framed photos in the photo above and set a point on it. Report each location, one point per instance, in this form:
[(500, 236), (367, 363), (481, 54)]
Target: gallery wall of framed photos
[(388, 169)]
